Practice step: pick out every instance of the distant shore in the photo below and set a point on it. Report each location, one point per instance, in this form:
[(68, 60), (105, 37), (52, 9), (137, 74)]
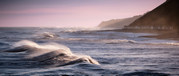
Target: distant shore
[(161, 34)]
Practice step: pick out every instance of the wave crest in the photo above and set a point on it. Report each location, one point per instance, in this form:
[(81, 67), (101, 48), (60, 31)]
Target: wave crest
[(49, 54), (46, 35)]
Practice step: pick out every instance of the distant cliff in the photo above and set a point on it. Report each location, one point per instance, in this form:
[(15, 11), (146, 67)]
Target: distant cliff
[(118, 23), (165, 16)]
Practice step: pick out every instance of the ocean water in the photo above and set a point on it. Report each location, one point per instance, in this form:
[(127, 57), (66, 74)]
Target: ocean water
[(118, 53)]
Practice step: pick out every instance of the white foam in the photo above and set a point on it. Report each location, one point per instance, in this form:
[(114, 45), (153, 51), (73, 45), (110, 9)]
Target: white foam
[(168, 43), (49, 46), (173, 44), (25, 42)]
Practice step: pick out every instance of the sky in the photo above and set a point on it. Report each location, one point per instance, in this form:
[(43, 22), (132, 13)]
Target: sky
[(69, 13)]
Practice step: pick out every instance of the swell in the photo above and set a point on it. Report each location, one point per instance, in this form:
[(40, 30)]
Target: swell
[(118, 41), (55, 36)]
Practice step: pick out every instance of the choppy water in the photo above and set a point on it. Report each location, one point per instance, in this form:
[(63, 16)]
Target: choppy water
[(119, 53)]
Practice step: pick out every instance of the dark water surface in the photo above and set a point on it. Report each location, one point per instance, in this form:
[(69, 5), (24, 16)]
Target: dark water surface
[(119, 53)]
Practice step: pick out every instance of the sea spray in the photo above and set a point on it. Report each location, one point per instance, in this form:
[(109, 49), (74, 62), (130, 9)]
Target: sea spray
[(44, 48), (49, 46)]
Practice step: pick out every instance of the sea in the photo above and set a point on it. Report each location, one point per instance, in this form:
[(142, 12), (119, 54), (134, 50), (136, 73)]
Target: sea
[(118, 53)]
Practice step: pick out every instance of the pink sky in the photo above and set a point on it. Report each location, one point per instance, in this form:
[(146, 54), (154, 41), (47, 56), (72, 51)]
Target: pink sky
[(69, 13)]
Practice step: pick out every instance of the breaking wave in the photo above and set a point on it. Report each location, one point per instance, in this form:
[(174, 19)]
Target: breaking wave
[(49, 46), (48, 54)]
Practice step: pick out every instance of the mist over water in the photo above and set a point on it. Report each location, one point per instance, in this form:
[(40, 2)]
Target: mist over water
[(118, 53)]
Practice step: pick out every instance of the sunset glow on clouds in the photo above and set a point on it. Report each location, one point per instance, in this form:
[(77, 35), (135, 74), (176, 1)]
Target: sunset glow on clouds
[(69, 13)]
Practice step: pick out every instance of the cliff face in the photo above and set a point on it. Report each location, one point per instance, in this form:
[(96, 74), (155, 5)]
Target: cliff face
[(164, 16), (118, 23)]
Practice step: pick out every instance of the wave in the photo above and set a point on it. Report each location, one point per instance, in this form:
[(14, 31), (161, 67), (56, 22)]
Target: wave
[(118, 41), (94, 72), (72, 30), (171, 43), (107, 41), (69, 31), (3, 43), (115, 41), (165, 43), (49, 46), (46, 35), (48, 54)]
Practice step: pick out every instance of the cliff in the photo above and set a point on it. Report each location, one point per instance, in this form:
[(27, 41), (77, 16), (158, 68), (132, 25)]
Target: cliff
[(117, 23), (165, 16)]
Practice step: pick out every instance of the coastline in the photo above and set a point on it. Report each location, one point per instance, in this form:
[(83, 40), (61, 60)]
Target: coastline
[(159, 34)]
